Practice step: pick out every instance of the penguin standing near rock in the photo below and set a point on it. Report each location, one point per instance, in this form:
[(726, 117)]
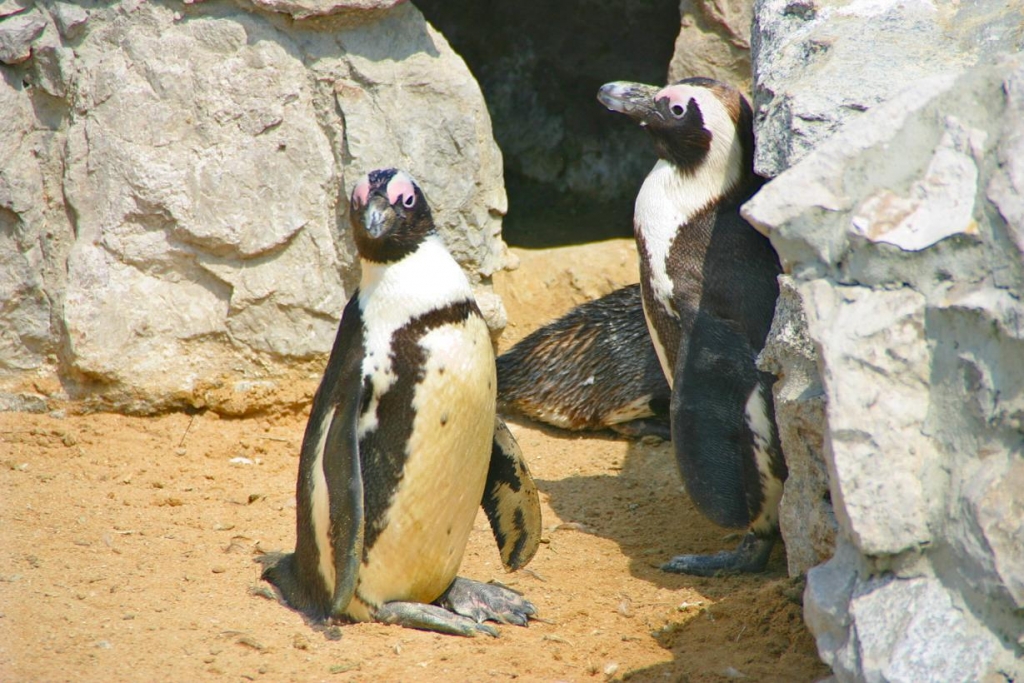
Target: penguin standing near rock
[(403, 443), (709, 288), (593, 368)]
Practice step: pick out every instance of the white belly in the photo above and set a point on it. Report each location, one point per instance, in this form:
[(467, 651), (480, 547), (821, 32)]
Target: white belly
[(419, 551)]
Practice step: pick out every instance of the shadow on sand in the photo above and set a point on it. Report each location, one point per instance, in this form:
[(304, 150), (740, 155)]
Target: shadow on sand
[(644, 509)]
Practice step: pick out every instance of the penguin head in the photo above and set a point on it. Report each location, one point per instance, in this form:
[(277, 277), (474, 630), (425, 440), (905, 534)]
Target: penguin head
[(697, 124), (389, 215)]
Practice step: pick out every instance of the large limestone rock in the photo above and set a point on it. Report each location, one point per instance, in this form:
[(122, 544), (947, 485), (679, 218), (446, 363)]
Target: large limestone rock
[(713, 41), (902, 238), (818, 63), (806, 516), (173, 197)]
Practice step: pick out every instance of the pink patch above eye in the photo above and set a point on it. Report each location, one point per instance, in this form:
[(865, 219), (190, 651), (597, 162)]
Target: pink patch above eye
[(361, 195), (400, 189), (674, 95)]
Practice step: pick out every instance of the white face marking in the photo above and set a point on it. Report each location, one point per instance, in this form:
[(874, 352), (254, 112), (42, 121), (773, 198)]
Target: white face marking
[(723, 166), (321, 509), (669, 199), (762, 428), (392, 294)]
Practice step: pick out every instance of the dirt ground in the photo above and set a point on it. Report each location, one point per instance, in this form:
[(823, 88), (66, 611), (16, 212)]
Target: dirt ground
[(127, 546)]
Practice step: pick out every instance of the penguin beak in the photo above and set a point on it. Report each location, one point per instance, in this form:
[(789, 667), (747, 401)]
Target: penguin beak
[(377, 216), (635, 100)]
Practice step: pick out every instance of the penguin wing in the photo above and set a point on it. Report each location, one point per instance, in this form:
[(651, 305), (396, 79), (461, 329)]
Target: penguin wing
[(511, 501), (715, 376), (331, 442)]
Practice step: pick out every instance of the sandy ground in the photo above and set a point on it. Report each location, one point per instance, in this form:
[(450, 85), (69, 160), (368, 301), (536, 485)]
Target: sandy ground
[(127, 546)]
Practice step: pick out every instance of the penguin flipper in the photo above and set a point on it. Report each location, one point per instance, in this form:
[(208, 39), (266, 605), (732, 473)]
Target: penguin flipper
[(726, 444), (511, 501), (714, 376), (345, 483), (319, 578)]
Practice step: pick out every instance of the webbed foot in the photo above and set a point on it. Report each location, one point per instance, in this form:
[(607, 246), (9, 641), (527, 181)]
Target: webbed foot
[(751, 556), (430, 618), (643, 428), (484, 601)]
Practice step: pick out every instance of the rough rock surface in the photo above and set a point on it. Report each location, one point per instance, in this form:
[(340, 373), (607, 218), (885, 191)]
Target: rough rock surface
[(902, 238), (713, 41), (173, 195), (806, 516), (818, 63)]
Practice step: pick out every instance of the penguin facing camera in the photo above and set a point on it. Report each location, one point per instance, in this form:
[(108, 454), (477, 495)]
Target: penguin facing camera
[(403, 444)]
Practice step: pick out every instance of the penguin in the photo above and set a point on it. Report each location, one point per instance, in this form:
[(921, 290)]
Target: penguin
[(594, 368), (403, 442), (709, 288)]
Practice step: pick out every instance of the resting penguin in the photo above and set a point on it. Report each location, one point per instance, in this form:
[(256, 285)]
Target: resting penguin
[(709, 291), (593, 368), (403, 444)]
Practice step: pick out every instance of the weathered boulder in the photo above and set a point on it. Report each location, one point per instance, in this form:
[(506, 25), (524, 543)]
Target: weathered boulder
[(714, 41), (806, 515), (818, 63), (901, 236), (173, 196)]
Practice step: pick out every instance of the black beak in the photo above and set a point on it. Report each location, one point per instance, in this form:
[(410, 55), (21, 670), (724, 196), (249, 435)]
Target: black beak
[(377, 216), (635, 100)]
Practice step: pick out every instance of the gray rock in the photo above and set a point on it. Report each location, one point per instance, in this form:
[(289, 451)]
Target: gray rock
[(69, 18), (26, 336), (17, 31), (875, 365), (177, 199), (22, 403), (819, 63), (303, 9), (806, 516), (901, 235), (827, 603), (9, 7), (909, 630)]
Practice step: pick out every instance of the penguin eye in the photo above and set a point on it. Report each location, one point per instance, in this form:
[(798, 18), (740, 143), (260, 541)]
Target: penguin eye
[(409, 201), (677, 110)]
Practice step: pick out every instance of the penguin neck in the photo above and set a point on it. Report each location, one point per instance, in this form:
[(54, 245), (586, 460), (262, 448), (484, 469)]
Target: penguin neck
[(671, 195), (424, 279)]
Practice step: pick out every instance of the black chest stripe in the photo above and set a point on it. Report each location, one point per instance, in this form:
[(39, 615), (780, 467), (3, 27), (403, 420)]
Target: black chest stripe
[(383, 450)]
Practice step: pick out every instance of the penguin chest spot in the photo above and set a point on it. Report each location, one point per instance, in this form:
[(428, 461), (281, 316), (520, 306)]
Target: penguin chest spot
[(420, 548)]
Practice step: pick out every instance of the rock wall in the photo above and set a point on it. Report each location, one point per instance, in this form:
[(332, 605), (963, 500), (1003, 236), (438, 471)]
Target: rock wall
[(174, 181), (896, 131)]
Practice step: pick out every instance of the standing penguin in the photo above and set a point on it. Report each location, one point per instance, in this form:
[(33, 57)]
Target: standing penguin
[(403, 444), (709, 289)]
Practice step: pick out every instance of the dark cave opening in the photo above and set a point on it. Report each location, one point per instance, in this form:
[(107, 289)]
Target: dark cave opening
[(572, 168)]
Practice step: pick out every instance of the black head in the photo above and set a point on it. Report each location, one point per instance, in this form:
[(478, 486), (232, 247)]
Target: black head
[(390, 216), (690, 120)]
